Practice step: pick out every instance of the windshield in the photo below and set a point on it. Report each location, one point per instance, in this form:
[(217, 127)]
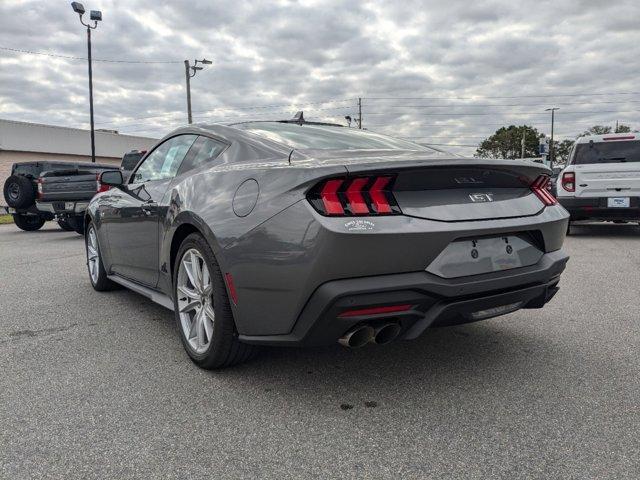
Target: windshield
[(327, 137), (610, 152)]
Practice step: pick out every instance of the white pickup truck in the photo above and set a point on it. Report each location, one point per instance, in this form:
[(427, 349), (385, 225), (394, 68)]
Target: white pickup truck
[(602, 178)]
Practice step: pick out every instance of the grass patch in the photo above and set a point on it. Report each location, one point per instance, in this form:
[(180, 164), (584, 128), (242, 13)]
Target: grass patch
[(4, 219)]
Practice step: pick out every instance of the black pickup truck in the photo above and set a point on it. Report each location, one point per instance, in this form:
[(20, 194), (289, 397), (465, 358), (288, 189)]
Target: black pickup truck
[(40, 191)]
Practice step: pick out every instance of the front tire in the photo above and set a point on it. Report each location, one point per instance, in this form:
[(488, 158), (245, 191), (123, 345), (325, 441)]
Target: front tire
[(28, 223), (202, 309), (97, 272)]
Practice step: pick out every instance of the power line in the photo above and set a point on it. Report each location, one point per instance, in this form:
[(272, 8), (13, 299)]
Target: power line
[(458, 114), (284, 105), (505, 96), (70, 57), (510, 104)]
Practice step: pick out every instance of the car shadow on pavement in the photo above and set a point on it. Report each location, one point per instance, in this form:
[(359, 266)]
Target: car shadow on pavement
[(471, 358)]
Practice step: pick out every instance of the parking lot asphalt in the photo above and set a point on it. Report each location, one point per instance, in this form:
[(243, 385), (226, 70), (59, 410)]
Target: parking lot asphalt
[(97, 385)]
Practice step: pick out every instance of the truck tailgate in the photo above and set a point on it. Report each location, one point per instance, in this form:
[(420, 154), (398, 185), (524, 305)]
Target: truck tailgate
[(608, 180), (75, 187)]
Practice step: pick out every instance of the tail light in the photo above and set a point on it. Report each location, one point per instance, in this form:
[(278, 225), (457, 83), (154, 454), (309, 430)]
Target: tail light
[(387, 309), (541, 187), (569, 181), (371, 195), (40, 192), (100, 187)]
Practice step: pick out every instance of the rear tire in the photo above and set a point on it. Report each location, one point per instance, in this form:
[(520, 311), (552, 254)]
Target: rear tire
[(19, 191), (568, 229), (97, 272), (28, 223), (63, 223), (220, 346)]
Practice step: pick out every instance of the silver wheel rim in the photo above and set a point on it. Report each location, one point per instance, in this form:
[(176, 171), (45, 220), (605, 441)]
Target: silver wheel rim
[(195, 304), (93, 255)]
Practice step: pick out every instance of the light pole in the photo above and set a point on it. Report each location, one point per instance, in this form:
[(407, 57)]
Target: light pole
[(95, 16), (189, 73), (551, 148)]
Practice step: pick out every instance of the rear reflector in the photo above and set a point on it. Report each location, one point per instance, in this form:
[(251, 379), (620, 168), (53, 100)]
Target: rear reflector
[(355, 196), (569, 181), (232, 288), (541, 188), (375, 310)]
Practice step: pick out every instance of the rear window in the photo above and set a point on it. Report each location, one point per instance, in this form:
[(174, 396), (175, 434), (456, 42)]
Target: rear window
[(607, 152), (130, 160), (327, 137)]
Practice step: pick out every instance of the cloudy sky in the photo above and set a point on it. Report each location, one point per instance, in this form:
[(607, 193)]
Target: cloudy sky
[(443, 72)]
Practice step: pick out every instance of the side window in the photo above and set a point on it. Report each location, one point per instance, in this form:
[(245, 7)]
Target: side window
[(165, 160), (206, 149)]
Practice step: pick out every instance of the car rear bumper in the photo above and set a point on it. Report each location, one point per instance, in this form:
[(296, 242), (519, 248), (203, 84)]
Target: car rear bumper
[(596, 209), (63, 208), (434, 301)]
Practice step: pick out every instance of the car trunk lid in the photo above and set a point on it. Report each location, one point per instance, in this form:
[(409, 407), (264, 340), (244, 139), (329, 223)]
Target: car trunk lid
[(446, 188)]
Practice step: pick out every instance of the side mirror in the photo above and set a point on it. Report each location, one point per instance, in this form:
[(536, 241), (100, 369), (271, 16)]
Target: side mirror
[(113, 178)]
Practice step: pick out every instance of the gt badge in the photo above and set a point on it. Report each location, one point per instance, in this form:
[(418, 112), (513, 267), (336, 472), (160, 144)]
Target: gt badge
[(481, 197)]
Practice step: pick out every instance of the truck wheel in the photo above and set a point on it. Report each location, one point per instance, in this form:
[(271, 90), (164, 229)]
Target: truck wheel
[(28, 223), (202, 309), (19, 191), (63, 223), (77, 224)]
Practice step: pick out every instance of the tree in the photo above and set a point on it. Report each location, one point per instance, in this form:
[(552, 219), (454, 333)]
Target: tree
[(596, 130), (562, 150), (506, 143), (604, 129)]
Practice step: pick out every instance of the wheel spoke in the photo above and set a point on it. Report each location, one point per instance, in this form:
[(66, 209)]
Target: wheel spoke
[(208, 311), (196, 270), (207, 324), (190, 306), (206, 278), (189, 269), (202, 341), (187, 292), (193, 330)]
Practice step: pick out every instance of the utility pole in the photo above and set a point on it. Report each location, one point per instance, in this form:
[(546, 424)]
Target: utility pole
[(189, 73), (616, 127), (187, 76), (551, 148), (95, 16), (522, 144), (360, 113)]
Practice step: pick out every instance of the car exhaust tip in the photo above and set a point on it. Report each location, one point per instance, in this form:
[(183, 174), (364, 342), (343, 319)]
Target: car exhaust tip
[(357, 337), (386, 333)]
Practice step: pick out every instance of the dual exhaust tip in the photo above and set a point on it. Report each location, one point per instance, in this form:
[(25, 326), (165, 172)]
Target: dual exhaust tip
[(363, 334)]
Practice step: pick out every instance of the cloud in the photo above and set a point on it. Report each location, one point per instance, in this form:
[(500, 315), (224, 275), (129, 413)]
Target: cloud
[(274, 58)]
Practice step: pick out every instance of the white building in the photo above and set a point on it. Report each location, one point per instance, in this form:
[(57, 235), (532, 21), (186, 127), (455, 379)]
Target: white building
[(28, 142)]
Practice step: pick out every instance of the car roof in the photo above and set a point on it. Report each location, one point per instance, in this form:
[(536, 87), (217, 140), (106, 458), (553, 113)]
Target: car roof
[(609, 137)]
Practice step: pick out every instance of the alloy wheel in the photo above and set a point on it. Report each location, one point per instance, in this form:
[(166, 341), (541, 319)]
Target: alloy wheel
[(93, 255), (195, 304)]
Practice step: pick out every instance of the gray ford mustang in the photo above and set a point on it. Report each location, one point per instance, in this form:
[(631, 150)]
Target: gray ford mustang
[(305, 233)]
